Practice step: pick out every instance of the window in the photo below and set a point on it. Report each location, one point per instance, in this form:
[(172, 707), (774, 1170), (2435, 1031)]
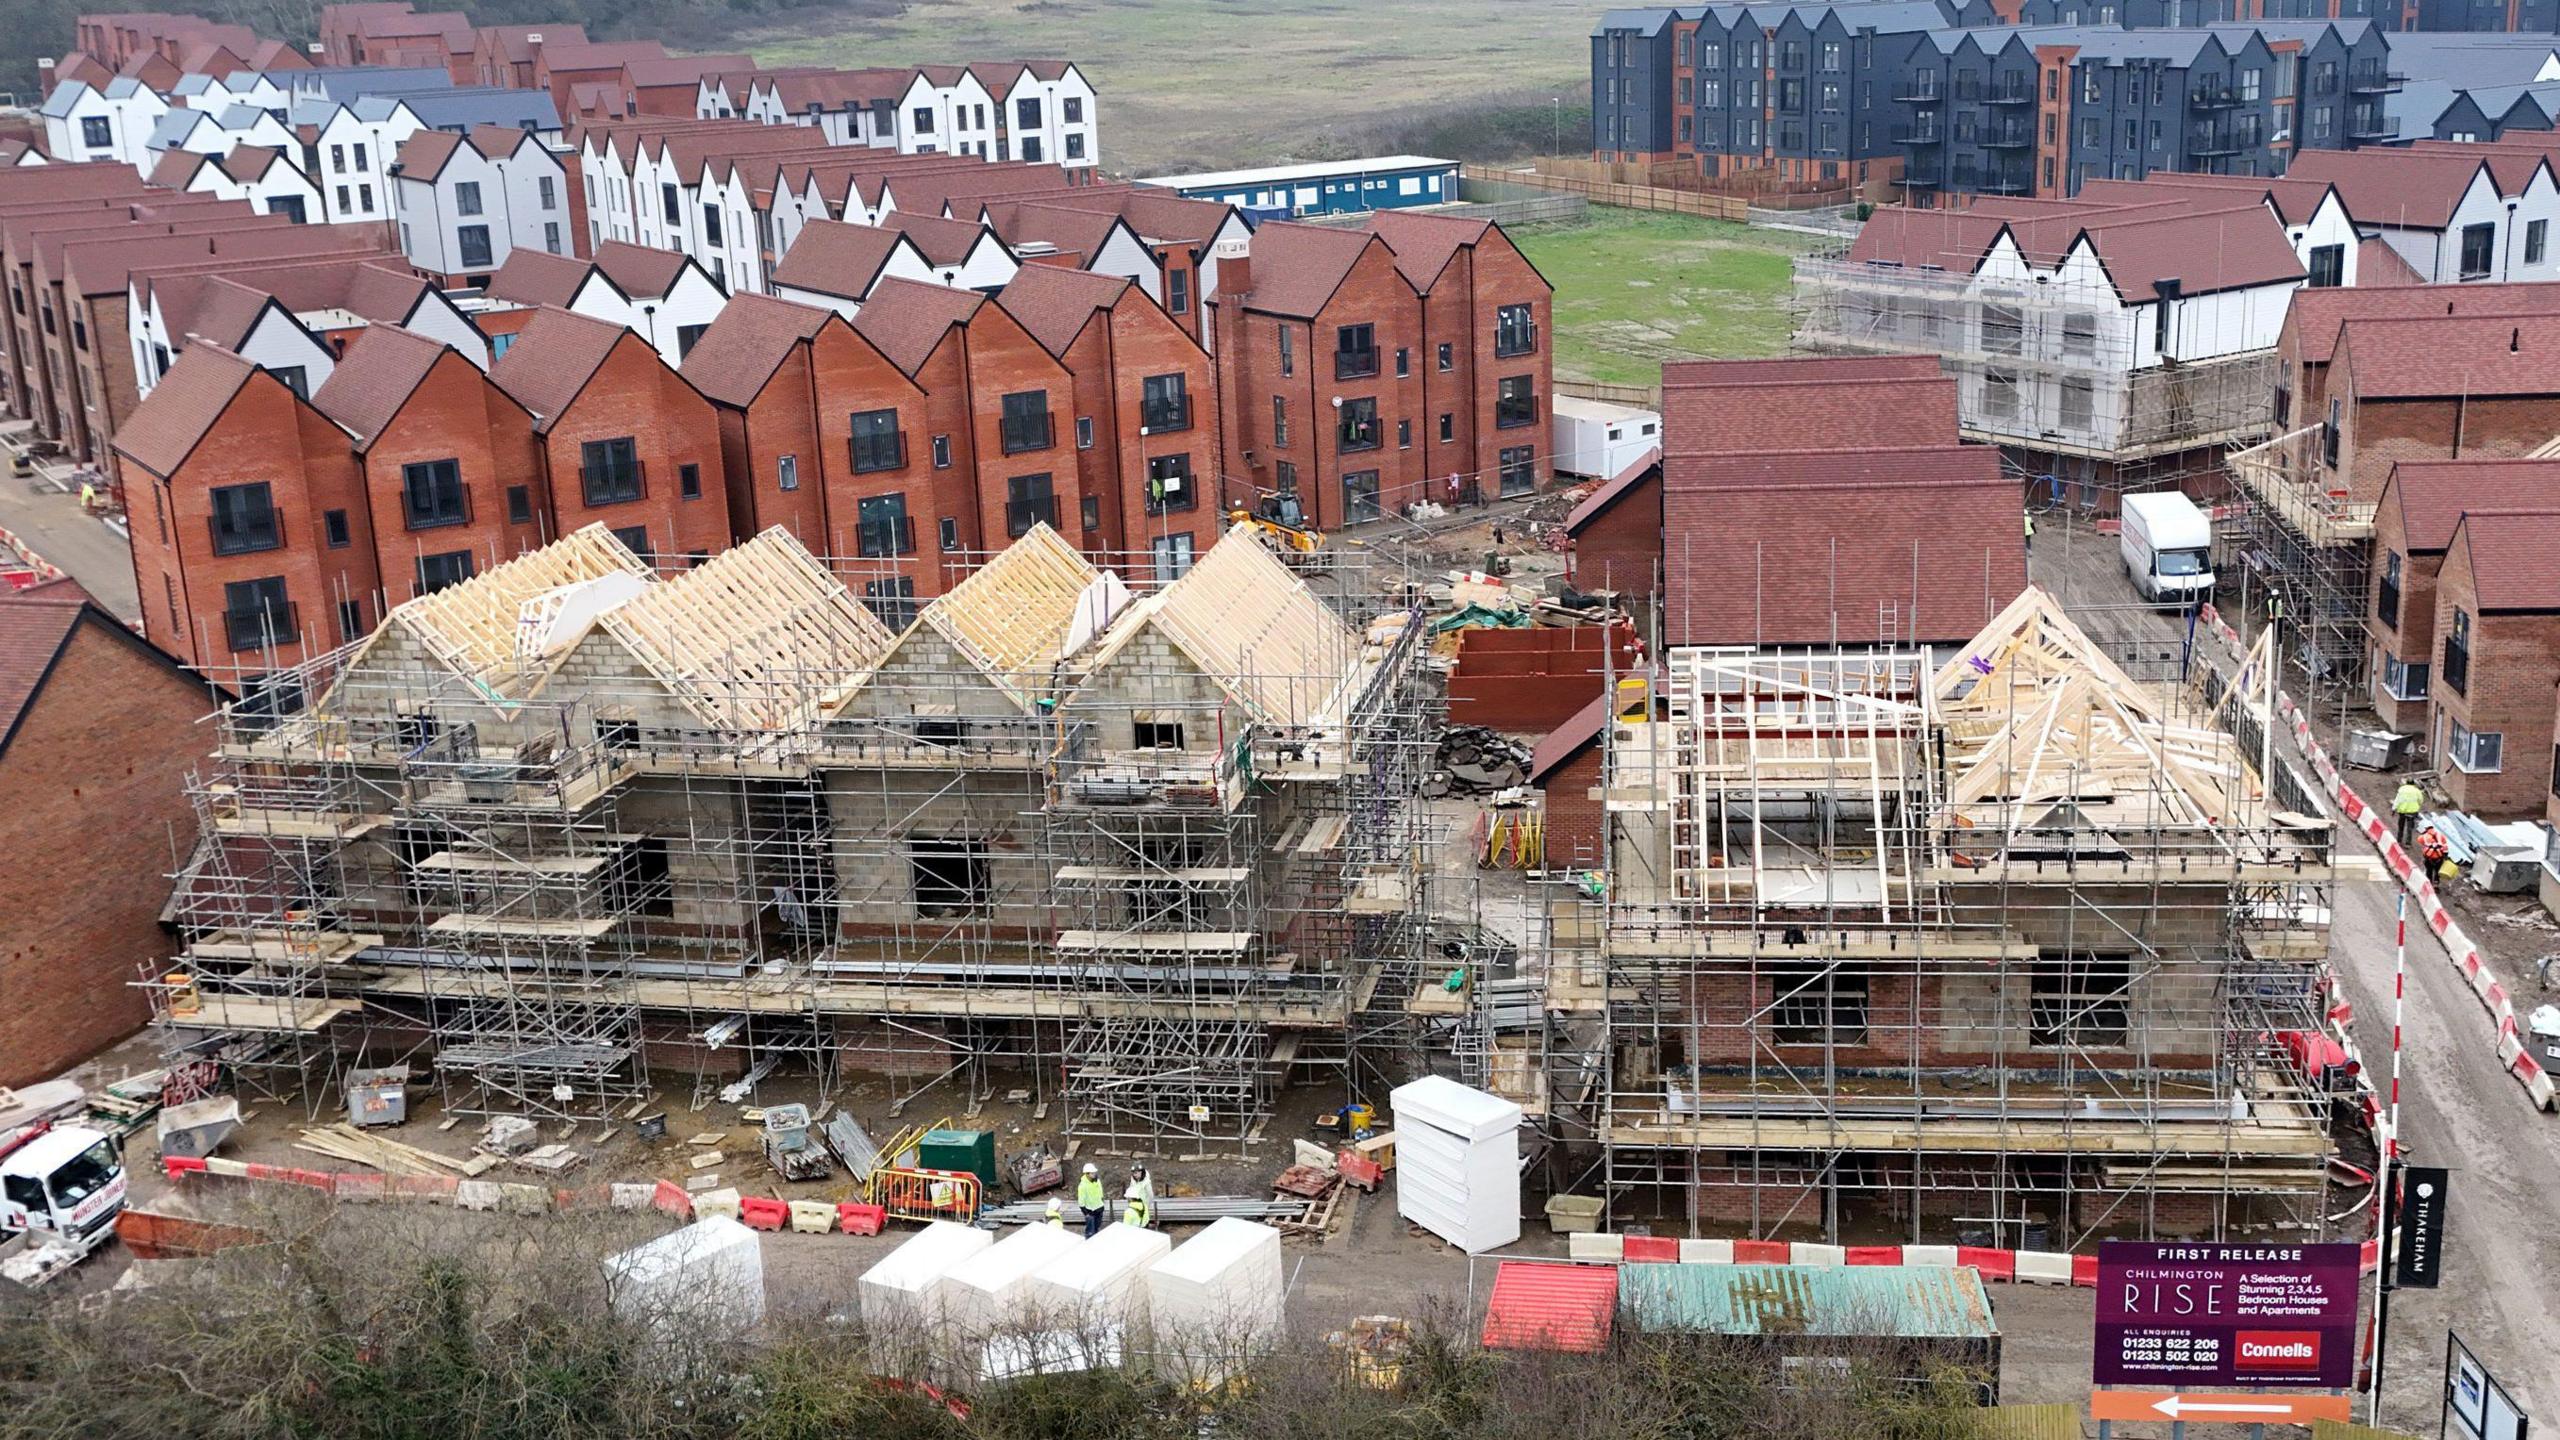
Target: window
[(256, 614), (2477, 244), (333, 523), (949, 877), (2003, 329), (551, 237), (2457, 654), (1284, 479), (1448, 426), (1028, 501), (1164, 403), (350, 620), (519, 504), (1404, 434), (635, 538), (2249, 82), (669, 205), (1071, 110), (2329, 435), (1404, 362), (1360, 497), (1030, 145), (2386, 595), (689, 482), (1355, 352), (2473, 752), (548, 191), (1449, 357), (892, 599), (363, 165), (1169, 484), (97, 132), (1515, 402), (431, 494), (1075, 148), (244, 519), (296, 378), (2537, 237), (1811, 1003), (1092, 508), (787, 472), (1515, 332), (878, 446), (941, 452), (1177, 292), (711, 227), (1288, 352), (1173, 558), (609, 471), (2079, 999), (921, 120), (2078, 408), (1357, 425), (883, 527), (1026, 422), (2404, 679), (1280, 422), (1084, 432), (950, 534), (2000, 394), (466, 198), (2329, 265), (473, 243), (438, 572), (1026, 114), (688, 336)]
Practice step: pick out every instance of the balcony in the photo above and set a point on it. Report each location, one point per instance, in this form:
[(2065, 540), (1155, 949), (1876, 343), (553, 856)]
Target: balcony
[(2371, 127), (1929, 179), (2009, 137), (1355, 364), (1919, 90), (2004, 185), (262, 532), (2214, 97), (1514, 340), (1929, 134), (2376, 82), (259, 629), (1162, 415), (2006, 94), (2205, 144)]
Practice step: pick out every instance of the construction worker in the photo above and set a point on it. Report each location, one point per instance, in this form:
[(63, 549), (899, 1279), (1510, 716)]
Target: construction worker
[(1141, 1193), (1089, 1199), (1057, 1214), (2030, 517), (2433, 849), (1136, 1215), (2405, 805)]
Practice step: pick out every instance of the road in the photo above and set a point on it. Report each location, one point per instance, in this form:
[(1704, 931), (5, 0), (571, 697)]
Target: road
[(50, 522), (2460, 1108)]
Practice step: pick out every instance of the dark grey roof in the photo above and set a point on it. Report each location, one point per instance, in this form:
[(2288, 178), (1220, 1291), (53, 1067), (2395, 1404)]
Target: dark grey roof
[(344, 83), (58, 105), (460, 109)]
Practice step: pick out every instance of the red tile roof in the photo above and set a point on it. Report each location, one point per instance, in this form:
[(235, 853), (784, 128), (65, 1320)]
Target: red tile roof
[(178, 413), (906, 320), (538, 277), (2403, 189), (1539, 1305), (552, 359), (376, 376), (749, 340), (2432, 495), (830, 257), (1801, 367), (2475, 355), (1054, 303), (1424, 243), (2317, 314), (1296, 268), (944, 242), (423, 155), (1597, 503), (1824, 414), (2204, 239), (1569, 739), (656, 70), (2511, 554), (643, 271)]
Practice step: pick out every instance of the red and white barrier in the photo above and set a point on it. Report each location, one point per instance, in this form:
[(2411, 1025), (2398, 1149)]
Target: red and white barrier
[(2513, 1054), (2023, 1267)]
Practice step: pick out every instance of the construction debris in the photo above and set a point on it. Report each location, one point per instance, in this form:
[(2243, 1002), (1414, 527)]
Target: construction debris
[(1473, 760), (363, 1147)]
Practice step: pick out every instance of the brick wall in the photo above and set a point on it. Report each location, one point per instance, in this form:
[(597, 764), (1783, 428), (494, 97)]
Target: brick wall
[(1497, 274), (2413, 638), (1144, 341), (850, 376), (456, 414), (2374, 435), (1004, 360), (672, 426), (90, 811), (2515, 663), (1573, 808), (1621, 548)]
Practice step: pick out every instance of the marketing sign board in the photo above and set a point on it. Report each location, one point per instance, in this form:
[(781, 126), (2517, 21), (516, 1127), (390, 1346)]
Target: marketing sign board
[(2476, 1406), (2423, 1193), (2225, 1313)]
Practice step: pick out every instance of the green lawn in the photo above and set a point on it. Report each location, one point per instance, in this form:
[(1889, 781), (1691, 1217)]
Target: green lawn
[(1209, 84), (1635, 288)]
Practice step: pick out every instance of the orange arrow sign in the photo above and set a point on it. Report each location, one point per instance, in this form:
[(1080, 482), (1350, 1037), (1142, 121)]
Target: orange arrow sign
[(2228, 1409)]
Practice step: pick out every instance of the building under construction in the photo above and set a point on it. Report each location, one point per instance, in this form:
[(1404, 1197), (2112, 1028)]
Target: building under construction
[(2005, 948), (1149, 855), (2311, 549)]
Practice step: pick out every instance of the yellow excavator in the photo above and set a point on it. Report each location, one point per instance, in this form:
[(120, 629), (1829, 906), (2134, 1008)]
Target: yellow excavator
[(1284, 521)]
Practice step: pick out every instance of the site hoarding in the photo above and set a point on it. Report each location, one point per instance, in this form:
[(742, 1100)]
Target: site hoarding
[(2234, 1313)]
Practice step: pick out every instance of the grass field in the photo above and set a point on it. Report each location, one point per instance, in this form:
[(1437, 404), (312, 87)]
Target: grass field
[(1188, 84), (1634, 289)]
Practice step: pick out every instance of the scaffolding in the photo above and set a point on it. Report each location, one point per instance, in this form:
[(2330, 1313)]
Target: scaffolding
[(1148, 854), (1996, 949), (2059, 374), (2309, 544)]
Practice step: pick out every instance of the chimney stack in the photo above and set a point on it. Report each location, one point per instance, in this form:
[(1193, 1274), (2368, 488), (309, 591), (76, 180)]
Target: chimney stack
[(1235, 266)]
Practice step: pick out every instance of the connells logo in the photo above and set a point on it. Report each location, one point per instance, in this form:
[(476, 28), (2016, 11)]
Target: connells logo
[(2280, 1352)]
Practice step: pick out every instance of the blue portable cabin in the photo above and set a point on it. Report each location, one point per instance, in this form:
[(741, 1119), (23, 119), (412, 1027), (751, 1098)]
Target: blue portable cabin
[(1334, 187)]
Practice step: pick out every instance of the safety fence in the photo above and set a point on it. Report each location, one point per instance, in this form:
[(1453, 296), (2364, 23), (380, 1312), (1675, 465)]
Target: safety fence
[(2459, 947), (1605, 192), (2024, 1267)]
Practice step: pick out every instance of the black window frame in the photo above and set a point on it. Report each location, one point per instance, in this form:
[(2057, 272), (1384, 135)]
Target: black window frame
[(1014, 427), (1510, 394), (1177, 292), (447, 569), (269, 619), (1356, 426), (97, 131), (871, 448), (519, 504), (464, 238), (2328, 267), (1515, 331), (2455, 668), (1172, 498), (882, 527), (335, 529), (2483, 236), (1360, 503), (432, 495), (243, 519), (1025, 507), (620, 472), (1164, 403), (1354, 361), (2386, 590)]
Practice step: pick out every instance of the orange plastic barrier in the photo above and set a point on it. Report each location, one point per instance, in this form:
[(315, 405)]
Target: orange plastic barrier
[(764, 1213), (926, 1194), (858, 1219)]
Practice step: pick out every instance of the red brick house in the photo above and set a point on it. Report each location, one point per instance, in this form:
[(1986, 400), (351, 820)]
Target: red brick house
[(625, 441), (2422, 503), (452, 475), (1488, 374), (998, 420), (97, 729), (229, 476), (2309, 339), (1146, 414), (2498, 661), (824, 436), (1320, 343), (2436, 388)]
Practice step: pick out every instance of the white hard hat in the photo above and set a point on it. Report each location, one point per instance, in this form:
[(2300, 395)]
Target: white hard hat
[(1053, 1203), (1091, 1169)]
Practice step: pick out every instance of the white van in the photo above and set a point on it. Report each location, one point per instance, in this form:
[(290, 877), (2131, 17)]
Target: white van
[(2168, 548)]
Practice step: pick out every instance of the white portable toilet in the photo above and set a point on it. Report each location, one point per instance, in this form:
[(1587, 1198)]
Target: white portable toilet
[(1458, 1163), (901, 1287), (991, 1290), (1217, 1299), (707, 1278)]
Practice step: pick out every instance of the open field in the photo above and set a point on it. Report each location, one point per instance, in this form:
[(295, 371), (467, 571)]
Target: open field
[(1197, 84), (1634, 289)]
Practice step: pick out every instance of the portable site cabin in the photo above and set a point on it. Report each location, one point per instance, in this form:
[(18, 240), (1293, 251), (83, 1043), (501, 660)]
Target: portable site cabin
[(1217, 1299), (904, 1286), (1101, 1282), (1458, 1163), (991, 1290), (705, 1278)]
